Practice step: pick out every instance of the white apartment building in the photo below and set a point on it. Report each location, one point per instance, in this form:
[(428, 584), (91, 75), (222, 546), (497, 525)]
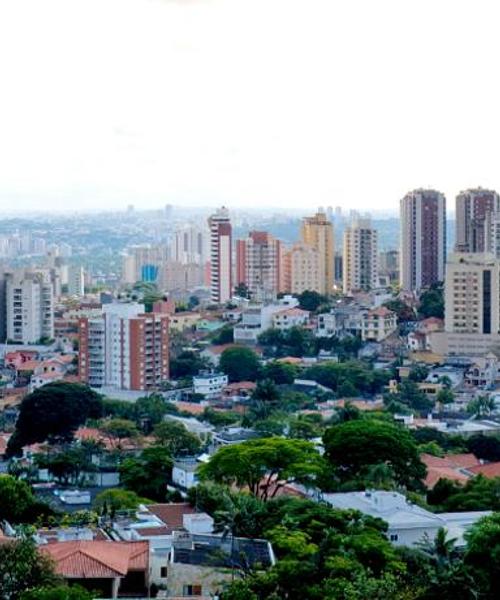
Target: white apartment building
[(360, 267), (190, 245), (29, 306), (76, 281), (472, 303), (221, 264), (210, 384)]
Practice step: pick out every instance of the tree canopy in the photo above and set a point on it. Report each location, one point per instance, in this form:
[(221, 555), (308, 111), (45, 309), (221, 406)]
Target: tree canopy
[(355, 446), (148, 474), (264, 465), (54, 411), (240, 364)]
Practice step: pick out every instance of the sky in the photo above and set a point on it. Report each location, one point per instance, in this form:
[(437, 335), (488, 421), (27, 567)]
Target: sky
[(287, 104)]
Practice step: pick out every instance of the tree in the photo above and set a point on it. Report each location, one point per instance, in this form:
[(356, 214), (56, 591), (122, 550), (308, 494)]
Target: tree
[(117, 430), (149, 411), (23, 568), (242, 291), (148, 474), (60, 592), (432, 303), (54, 411), (187, 364), (402, 310), (175, 437), (482, 406), (311, 301), (16, 498), (410, 395), (445, 396), (354, 446), (240, 364), (264, 399), (483, 552), (66, 466), (116, 499), (264, 465), (280, 372), (484, 447), (347, 390)]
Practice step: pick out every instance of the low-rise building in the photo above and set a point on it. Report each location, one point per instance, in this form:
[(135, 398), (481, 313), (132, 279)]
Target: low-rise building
[(408, 524), (378, 324), (200, 565), (290, 317), (209, 384)]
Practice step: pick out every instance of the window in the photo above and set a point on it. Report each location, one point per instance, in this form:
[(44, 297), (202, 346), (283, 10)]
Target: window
[(163, 572), (393, 537), (191, 590)]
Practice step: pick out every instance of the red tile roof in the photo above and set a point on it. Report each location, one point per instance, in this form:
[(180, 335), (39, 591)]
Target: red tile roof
[(171, 514), (489, 470), (451, 467), (96, 559)]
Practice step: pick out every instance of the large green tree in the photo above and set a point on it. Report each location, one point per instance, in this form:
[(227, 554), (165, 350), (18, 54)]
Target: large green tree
[(355, 446), (59, 592), (176, 438), (264, 465), (54, 412), (148, 474), (240, 364), (16, 499), (23, 568), (483, 554)]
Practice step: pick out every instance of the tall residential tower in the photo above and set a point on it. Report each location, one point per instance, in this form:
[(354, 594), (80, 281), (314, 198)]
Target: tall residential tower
[(221, 280), (422, 239)]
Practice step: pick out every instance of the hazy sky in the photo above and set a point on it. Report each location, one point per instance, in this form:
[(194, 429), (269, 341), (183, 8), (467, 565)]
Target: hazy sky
[(285, 103)]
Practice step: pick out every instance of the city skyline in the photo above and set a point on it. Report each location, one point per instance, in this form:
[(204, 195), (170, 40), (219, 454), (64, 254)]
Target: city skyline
[(259, 104)]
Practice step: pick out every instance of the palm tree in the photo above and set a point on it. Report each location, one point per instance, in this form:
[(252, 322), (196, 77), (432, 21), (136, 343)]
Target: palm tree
[(441, 548)]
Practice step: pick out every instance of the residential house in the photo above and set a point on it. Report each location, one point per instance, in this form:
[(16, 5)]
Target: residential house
[(209, 384), (290, 317), (201, 565), (408, 523), (378, 324), (113, 569)]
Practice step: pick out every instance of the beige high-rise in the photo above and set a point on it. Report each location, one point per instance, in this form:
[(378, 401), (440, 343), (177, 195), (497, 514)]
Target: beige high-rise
[(317, 232)]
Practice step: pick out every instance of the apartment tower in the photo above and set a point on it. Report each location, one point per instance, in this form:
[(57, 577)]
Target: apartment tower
[(474, 212), (29, 299), (221, 281), (360, 268), (317, 232), (259, 266), (423, 239), (124, 348)]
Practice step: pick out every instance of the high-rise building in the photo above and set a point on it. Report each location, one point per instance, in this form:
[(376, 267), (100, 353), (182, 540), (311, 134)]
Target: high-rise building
[(302, 270), (360, 257), (472, 303), (144, 263), (317, 232), (29, 302), (474, 210), (388, 265), (124, 348), (190, 245), (221, 281), (259, 265), (422, 239), (76, 281)]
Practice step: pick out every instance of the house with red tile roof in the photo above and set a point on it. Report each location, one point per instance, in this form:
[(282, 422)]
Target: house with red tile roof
[(114, 569), (455, 467)]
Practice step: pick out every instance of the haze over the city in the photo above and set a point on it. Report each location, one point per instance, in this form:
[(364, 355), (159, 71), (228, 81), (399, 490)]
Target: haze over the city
[(257, 103)]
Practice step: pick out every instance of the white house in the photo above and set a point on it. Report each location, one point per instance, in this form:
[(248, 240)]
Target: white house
[(290, 317), (209, 384), (326, 325), (408, 523), (259, 317), (184, 473)]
